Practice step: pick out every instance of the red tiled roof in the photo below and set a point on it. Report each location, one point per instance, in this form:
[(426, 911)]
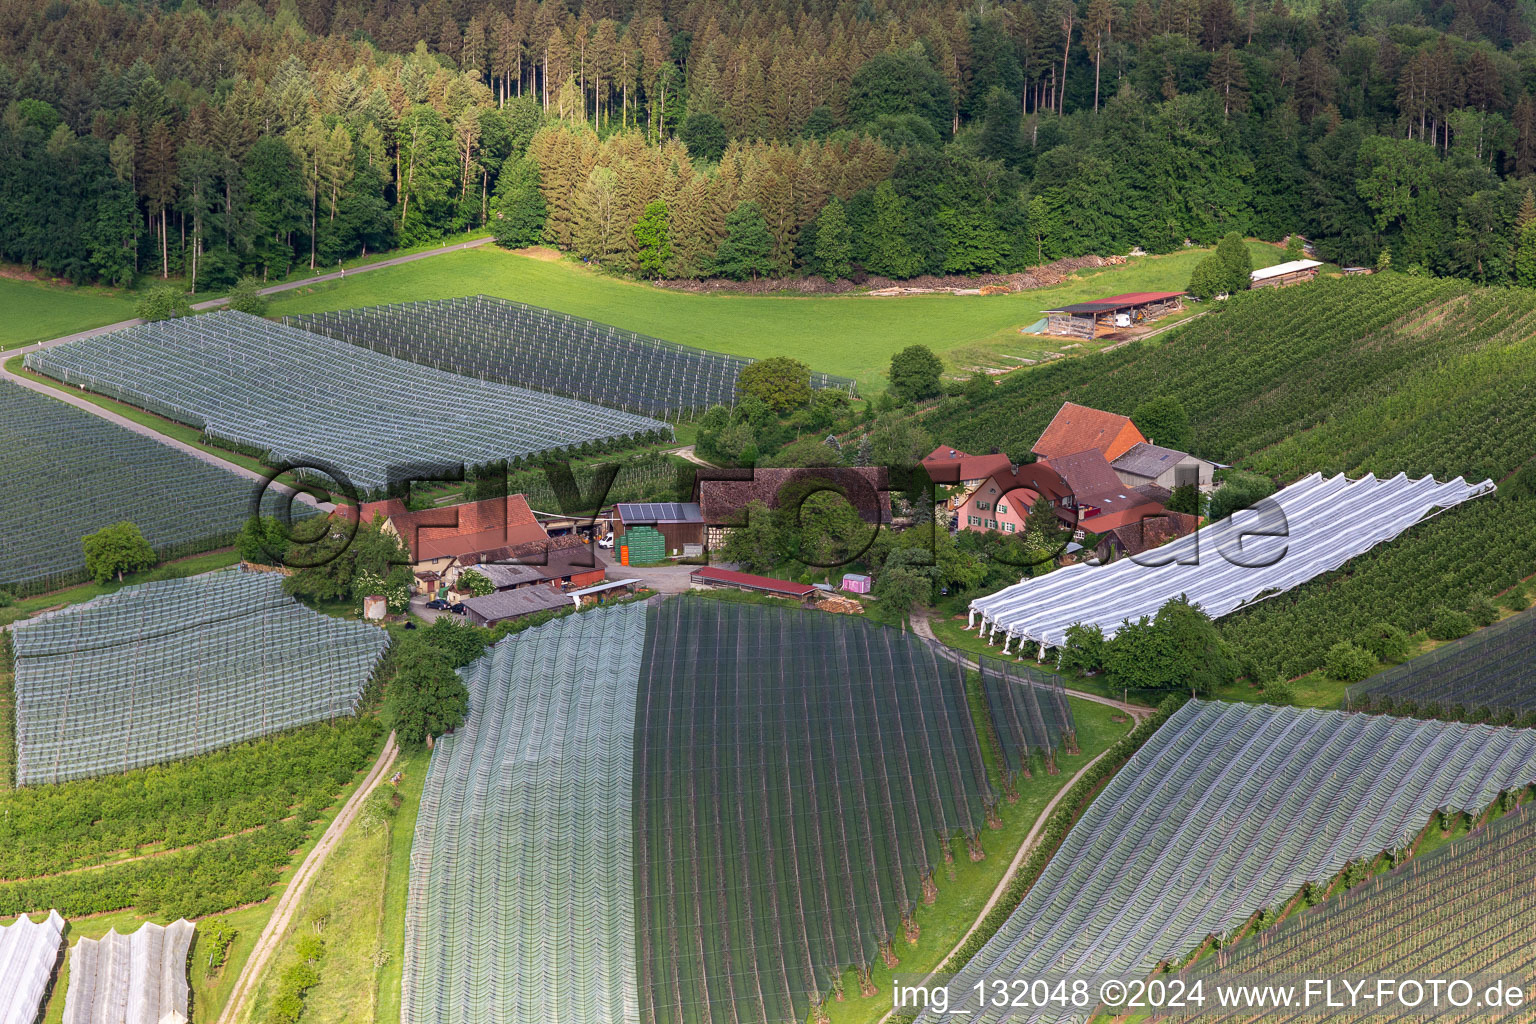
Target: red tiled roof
[(946, 465), (1077, 427), (712, 574), (490, 525), (1089, 476), (1145, 534), (1106, 521)]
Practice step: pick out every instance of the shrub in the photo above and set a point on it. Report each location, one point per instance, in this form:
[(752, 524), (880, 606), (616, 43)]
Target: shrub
[(1516, 600), (1347, 663), (1385, 641), (1449, 625), (1279, 691), (1482, 612), (246, 297), (163, 302), (1084, 650), (6, 598)]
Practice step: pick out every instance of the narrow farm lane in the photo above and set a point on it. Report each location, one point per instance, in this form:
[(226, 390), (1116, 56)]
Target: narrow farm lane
[(277, 926), (923, 627)]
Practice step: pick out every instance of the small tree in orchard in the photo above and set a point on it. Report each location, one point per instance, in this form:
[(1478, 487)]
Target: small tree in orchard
[(246, 297), (747, 251), (784, 384), (1295, 248), (834, 241), (915, 372), (426, 697), (902, 588), (163, 302), (1347, 663), (115, 550), (651, 235)]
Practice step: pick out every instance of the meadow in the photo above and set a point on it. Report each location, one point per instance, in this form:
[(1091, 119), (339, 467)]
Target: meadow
[(851, 335), (35, 311)]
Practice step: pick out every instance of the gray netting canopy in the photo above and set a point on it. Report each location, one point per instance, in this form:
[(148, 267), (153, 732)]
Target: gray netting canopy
[(302, 397), (173, 668), (65, 473), (513, 343)]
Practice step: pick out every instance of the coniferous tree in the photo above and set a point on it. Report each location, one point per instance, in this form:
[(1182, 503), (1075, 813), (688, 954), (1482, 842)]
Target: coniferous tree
[(747, 251)]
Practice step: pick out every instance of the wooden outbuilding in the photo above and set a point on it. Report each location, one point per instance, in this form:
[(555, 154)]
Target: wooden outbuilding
[(1282, 274), (1112, 313)]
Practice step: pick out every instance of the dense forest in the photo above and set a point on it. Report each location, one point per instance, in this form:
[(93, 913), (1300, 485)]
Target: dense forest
[(763, 138)]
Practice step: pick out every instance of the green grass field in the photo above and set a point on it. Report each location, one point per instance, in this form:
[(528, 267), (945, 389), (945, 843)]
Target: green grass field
[(36, 311), (852, 335)]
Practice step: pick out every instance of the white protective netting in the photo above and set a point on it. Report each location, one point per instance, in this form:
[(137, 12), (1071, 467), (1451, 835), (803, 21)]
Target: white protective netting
[(139, 978), (1304, 530), (521, 904), (29, 954), (170, 669), (1228, 809)]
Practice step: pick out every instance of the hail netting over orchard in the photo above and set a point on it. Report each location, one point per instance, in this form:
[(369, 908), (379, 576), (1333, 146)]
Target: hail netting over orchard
[(1464, 908), (302, 397), (495, 339), (521, 903), (65, 473), (169, 669), (29, 953), (139, 978), (1309, 528), (1492, 669), (1030, 716), (799, 779), (1226, 810)]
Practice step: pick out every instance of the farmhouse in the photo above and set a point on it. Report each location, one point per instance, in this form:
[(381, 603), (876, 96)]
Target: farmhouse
[(562, 561), (681, 524), (1144, 534), (949, 467), (1111, 313), (1095, 490), (1147, 463), (441, 541), (514, 604), (1282, 274), (1002, 501), (1076, 428), (724, 495)]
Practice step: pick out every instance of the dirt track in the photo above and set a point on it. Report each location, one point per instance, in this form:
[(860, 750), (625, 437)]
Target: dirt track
[(272, 935)]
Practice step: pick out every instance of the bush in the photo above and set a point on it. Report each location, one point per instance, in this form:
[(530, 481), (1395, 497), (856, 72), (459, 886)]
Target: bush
[(1084, 650), (1386, 642), (1238, 491), (6, 598), (1517, 600), (1347, 663), (1482, 612), (784, 384), (1449, 625), (163, 302), (1279, 691), (246, 297)]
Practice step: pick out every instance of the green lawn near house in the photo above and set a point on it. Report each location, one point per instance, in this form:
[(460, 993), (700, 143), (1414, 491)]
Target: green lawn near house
[(851, 335)]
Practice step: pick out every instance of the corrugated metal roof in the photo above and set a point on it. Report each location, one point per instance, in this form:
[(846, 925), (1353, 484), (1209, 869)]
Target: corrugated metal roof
[(712, 574), (506, 604), (1111, 303), (1281, 269), (659, 512)]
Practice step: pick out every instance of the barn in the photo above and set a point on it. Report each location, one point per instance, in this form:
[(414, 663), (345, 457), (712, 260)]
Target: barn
[(680, 524), (1111, 313), (1282, 274)]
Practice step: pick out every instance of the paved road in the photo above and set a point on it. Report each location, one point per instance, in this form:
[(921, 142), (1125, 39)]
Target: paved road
[(282, 916)]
